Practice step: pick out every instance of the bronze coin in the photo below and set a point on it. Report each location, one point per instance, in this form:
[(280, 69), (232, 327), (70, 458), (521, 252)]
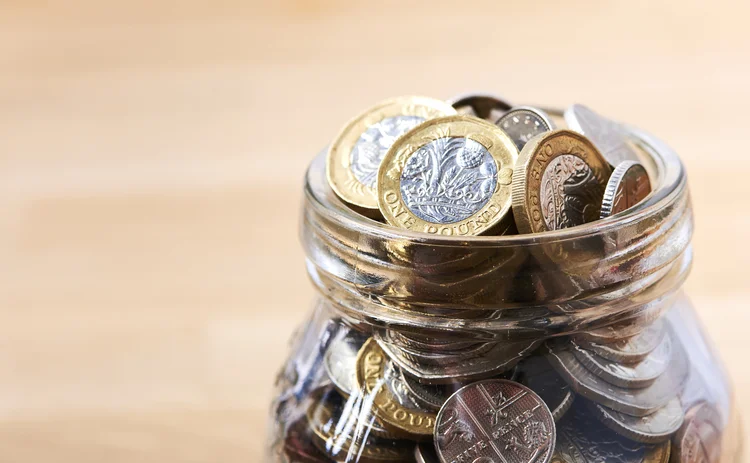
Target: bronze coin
[(636, 402), (699, 438), (582, 439), (656, 427), (495, 420), (298, 444), (628, 375)]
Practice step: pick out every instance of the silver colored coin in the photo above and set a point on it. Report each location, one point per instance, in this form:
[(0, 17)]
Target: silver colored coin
[(627, 186), (425, 453), (431, 396), (481, 105), (467, 175), (656, 427), (371, 146), (538, 375), (340, 360), (434, 344), (431, 357), (394, 380), (608, 136), (495, 420), (615, 332), (501, 356), (524, 123), (582, 439), (630, 350), (636, 402), (634, 375)]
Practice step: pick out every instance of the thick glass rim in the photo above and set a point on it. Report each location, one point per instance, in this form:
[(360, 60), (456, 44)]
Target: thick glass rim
[(664, 166)]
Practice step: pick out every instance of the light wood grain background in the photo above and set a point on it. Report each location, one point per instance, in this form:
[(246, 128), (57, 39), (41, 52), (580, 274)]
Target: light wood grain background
[(151, 156)]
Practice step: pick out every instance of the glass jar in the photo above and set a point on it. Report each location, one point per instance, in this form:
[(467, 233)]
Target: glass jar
[(591, 319)]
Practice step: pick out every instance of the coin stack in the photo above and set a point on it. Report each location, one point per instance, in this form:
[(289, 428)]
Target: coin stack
[(478, 165)]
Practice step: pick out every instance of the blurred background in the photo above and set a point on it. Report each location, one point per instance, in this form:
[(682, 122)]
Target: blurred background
[(151, 162)]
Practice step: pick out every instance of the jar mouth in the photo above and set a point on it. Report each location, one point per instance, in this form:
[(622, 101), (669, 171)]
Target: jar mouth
[(668, 180), (377, 268)]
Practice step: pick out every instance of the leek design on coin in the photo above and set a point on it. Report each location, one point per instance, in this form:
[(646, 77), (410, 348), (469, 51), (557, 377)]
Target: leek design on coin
[(495, 420), (558, 182), (628, 185), (449, 176), (524, 123), (355, 155), (608, 136)]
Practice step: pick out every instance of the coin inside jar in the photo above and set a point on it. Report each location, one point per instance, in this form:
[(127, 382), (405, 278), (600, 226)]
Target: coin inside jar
[(481, 105), (608, 136), (628, 185), (449, 176), (495, 420), (355, 155), (558, 182), (656, 427), (341, 359), (372, 367), (700, 437), (582, 439), (630, 350), (524, 123)]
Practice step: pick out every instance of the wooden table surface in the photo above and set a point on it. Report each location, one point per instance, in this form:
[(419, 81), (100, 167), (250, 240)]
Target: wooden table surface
[(151, 156)]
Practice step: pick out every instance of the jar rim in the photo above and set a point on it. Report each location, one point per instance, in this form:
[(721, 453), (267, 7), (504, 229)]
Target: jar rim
[(664, 166)]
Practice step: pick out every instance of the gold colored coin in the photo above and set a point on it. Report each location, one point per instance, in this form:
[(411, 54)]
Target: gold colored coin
[(355, 155), (449, 176), (371, 371), (558, 182), (341, 433)]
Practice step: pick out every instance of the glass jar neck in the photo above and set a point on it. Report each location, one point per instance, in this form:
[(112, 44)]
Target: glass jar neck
[(628, 265)]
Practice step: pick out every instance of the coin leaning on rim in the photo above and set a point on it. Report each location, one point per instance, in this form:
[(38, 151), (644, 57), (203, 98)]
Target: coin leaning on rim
[(628, 185), (495, 420), (608, 136), (355, 155), (448, 176), (558, 182), (523, 123)]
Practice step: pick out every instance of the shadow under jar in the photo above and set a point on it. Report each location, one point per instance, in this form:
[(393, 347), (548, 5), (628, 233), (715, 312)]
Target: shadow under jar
[(592, 351)]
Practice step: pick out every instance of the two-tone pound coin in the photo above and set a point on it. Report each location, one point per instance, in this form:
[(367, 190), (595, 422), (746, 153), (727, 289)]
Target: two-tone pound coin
[(372, 369), (495, 420), (628, 186), (610, 137), (524, 123), (355, 155), (558, 182), (449, 176)]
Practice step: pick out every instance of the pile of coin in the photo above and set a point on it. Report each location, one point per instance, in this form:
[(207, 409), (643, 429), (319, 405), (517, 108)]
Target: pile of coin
[(568, 400), (478, 165), (483, 166)]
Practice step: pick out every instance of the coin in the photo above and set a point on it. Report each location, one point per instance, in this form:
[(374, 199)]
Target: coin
[(425, 453), (635, 375), (636, 402), (372, 365), (500, 357), (298, 445), (558, 182), (524, 123), (615, 332), (581, 439), (538, 375), (495, 420), (481, 105), (431, 396), (355, 155), (449, 176), (341, 359), (343, 436), (633, 349), (628, 185), (656, 427), (700, 437), (610, 137)]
